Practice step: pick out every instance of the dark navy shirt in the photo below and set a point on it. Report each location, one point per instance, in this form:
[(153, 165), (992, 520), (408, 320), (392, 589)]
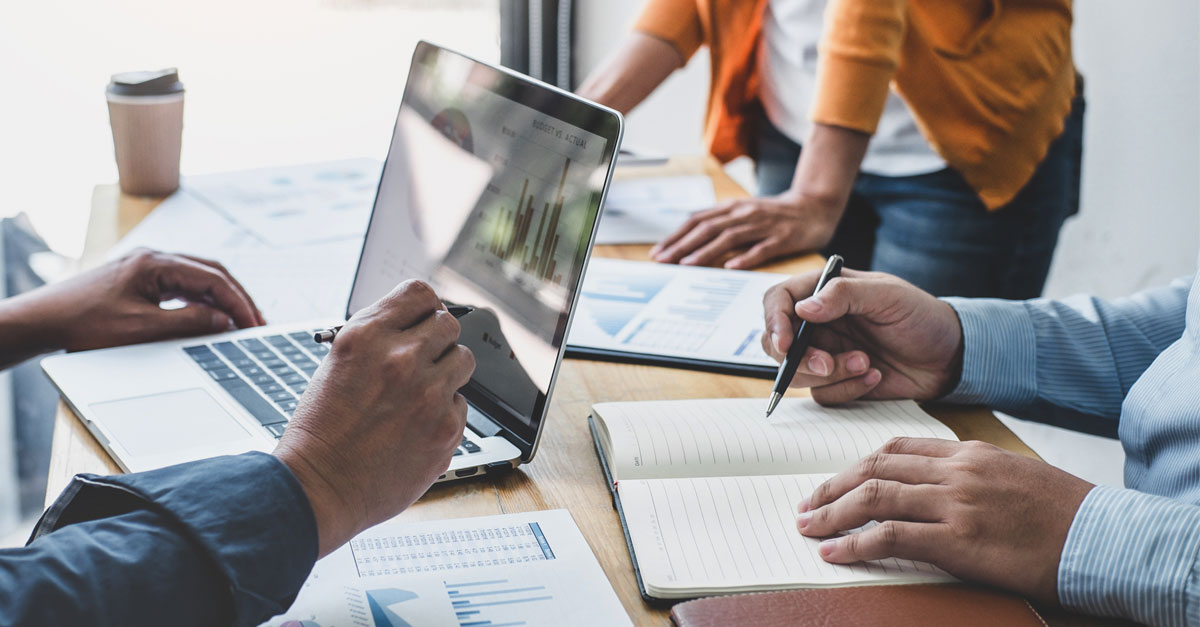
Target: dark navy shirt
[(222, 541)]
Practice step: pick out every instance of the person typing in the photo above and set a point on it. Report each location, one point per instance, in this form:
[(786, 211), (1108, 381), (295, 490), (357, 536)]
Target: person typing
[(229, 540)]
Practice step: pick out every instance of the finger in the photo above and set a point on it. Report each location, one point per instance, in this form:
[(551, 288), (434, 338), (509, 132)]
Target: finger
[(688, 225), (820, 369), (434, 336), (758, 254), (199, 282), (847, 390), (923, 542), (726, 240), (929, 447), (456, 366), (874, 499), (850, 295), (218, 266), (909, 469), (194, 319), (408, 304), (780, 320), (700, 234)]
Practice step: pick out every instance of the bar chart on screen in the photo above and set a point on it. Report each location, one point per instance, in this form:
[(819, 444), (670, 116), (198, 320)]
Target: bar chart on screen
[(497, 571)]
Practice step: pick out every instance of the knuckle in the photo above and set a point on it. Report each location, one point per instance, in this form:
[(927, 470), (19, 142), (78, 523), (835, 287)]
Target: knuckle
[(895, 445), (418, 291), (448, 322), (889, 536), (468, 358), (872, 493), (871, 466), (141, 257), (401, 362)]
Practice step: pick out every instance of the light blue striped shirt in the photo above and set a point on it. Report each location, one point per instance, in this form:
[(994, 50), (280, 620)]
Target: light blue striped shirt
[(1090, 363)]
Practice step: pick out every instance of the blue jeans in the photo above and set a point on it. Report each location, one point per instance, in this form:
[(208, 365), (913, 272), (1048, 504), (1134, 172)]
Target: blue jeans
[(934, 231)]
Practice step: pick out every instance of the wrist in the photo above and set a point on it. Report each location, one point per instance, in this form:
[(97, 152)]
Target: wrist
[(336, 522), (29, 327)]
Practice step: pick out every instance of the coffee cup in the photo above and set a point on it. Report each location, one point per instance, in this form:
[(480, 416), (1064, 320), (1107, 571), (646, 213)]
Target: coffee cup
[(145, 110)]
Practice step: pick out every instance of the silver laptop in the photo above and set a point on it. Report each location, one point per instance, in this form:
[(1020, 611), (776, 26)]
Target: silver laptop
[(491, 192)]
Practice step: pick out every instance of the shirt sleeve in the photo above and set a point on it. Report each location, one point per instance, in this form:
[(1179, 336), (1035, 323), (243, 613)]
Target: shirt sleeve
[(228, 540), (1133, 555), (1069, 362), (676, 22)]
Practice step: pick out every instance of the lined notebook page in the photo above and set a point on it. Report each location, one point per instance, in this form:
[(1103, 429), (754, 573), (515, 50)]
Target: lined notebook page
[(723, 437), (737, 534)]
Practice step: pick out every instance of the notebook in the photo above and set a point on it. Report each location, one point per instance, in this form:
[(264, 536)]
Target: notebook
[(707, 489)]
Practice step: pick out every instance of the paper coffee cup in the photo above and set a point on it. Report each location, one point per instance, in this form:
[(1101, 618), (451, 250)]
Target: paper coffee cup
[(146, 113)]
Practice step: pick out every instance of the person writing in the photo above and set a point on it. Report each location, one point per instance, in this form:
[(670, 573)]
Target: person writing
[(987, 515), (958, 180), (230, 540)]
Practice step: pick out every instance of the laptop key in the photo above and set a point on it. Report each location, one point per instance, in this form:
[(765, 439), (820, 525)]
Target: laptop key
[(277, 340), (272, 362), (261, 379), (277, 429), (253, 345), (471, 446), (254, 403), (222, 374), (299, 389), (458, 452), (281, 396), (288, 406), (230, 350), (212, 364), (199, 352), (263, 354), (293, 378), (271, 388), (252, 371)]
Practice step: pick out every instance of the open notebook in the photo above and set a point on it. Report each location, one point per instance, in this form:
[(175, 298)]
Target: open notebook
[(707, 489)]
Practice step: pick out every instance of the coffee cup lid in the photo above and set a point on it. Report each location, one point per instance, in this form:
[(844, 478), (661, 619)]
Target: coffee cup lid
[(146, 83)]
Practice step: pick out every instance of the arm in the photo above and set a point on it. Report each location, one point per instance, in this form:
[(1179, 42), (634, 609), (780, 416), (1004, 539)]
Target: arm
[(232, 539), (1065, 361), (163, 548), (666, 35), (632, 73)]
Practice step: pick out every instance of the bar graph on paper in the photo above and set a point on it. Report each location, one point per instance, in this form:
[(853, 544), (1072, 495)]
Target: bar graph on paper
[(492, 602), (699, 313)]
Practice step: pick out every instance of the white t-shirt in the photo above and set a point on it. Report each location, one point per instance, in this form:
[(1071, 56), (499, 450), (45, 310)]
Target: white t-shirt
[(788, 53)]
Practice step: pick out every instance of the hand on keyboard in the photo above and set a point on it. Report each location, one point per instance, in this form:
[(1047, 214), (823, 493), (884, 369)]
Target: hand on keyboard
[(118, 303), (382, 415)]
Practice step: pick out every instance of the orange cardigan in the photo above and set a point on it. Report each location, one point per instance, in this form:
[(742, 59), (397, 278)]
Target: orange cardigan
[(988, 81)]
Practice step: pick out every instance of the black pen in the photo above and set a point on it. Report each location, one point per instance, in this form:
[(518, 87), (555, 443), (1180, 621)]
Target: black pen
[(795, 353), (326, 336)]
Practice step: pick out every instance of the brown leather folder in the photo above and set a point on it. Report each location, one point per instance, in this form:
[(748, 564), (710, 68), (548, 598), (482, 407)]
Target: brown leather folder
[(927, 605)]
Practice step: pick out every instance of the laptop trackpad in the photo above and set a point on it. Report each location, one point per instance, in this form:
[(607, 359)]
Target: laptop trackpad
[(162, 423)]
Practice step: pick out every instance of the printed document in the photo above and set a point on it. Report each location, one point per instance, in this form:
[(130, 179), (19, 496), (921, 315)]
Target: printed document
[(645, 210), (533, 568)]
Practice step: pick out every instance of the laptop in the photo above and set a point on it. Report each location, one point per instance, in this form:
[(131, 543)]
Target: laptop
[(491, 192)]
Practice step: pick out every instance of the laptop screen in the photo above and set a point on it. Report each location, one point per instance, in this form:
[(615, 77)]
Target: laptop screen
[(490, 192)]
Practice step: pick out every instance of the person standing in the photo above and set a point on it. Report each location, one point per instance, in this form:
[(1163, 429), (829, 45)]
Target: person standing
[(939, 143)]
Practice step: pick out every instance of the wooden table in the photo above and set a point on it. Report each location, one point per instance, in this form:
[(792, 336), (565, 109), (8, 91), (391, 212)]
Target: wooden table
[(565, 473)]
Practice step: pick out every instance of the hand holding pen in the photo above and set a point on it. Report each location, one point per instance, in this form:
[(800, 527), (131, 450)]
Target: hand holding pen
[(787, 369), (326, 336)]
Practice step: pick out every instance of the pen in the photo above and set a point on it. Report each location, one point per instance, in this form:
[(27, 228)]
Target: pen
[(326, 336), (791, 361)]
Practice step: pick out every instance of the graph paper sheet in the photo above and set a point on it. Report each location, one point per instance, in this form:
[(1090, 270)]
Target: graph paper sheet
[(533, 568), (704, 314)]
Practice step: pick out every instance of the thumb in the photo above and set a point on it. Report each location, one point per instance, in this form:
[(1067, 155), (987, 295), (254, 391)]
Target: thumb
[(194, 319), (849, 297)]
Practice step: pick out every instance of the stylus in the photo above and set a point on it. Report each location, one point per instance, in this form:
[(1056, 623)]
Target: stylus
[(799, 346), (326, 336)]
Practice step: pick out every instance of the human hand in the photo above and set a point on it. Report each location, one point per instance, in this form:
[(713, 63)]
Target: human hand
[(382, 416), (119, 303), (877, 337), (769, 227), (974, 510)]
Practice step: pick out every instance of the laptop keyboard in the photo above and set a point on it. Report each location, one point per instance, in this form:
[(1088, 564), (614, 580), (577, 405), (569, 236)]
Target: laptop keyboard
[(268, 375)]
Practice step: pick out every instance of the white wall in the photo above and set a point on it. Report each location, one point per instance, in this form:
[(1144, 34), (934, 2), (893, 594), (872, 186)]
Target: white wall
[(1140, 223)]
